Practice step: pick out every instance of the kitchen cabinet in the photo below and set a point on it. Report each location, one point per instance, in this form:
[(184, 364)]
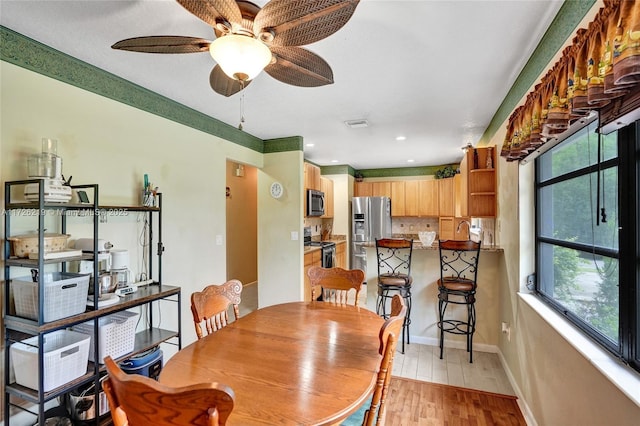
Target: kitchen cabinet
[(446, 197), (398, 198), (312, 258), (363, 189), (448, 228), (18, 328), (428, 196), (326, 185), (381, 189), (312, 177), (411, 198), (481, 183), (341, 254)]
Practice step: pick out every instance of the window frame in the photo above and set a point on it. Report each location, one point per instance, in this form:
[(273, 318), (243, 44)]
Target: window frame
[(627, 163)]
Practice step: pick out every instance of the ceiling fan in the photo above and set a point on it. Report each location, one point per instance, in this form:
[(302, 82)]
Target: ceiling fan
[(250, 39)]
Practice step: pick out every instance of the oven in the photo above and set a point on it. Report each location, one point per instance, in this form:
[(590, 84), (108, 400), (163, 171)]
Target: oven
[(328, 254)]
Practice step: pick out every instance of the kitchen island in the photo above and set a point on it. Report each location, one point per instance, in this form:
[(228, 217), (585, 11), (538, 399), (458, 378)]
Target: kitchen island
[(425, 269)]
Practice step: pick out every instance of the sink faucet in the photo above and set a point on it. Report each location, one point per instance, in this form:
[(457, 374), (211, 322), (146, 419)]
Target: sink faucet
[(460, 225)]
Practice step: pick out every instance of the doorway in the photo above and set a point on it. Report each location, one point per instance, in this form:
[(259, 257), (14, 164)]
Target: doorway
[(242, 230)]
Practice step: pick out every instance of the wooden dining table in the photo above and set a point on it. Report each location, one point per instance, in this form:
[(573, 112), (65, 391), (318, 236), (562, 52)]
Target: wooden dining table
[(300, 363)]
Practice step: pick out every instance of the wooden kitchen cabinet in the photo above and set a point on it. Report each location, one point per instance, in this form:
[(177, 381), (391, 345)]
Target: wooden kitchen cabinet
[(381, 189), (312, 177), (312, 258), (398, 198), (326, 186), (341, 255), (448, 228), (411, 198), (481, 183), (363, 189), (428, 196), (446, 197)]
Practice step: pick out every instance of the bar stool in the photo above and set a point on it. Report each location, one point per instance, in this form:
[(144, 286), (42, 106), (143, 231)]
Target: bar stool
[(394, 277), (457, 285)]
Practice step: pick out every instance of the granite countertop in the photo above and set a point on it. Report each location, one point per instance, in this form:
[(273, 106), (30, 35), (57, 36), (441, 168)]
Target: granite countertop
[(417, 245), (338, 239)]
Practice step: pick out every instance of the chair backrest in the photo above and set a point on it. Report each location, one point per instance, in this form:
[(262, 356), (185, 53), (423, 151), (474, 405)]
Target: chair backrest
[(389, 333), (394, 257), (210, 306), (335, 283), (459, 260), (137, 400)]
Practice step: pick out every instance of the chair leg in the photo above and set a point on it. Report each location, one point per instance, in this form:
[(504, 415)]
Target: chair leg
[(471, 330), (441, 308)]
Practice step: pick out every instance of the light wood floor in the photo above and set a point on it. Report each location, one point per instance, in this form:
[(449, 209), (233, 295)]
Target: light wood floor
[(422, 362)]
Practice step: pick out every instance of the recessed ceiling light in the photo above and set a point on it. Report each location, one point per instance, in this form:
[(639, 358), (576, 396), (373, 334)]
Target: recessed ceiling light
[(357, 124), (310, 145), (401, 138), (410, 161), (334, 161)]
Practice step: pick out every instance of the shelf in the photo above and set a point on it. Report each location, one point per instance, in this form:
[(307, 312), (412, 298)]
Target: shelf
[(70, 206), (33, 263), (481, 170), (482, 194), (145, 294), (144, 340)]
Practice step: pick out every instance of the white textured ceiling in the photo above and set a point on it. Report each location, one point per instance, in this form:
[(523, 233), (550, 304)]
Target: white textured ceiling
[(432, 71)]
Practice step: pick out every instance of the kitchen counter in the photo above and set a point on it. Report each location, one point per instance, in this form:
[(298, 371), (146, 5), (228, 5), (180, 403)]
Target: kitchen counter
[(309, 249), (417, 245)]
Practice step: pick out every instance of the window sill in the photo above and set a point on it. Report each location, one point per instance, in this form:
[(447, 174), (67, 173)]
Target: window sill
[(622, 376)]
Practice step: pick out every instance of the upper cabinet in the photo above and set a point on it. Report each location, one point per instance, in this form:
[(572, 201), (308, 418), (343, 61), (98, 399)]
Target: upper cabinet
[(398, 204), (312, 177), (446, 197), (428, 196), (363, 189), (372, 189), (326, 186), (481, 182)]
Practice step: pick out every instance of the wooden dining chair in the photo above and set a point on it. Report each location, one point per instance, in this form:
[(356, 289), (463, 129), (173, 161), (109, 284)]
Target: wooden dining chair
[(389, 333), (210, 306), (336, 283), (137, 400)]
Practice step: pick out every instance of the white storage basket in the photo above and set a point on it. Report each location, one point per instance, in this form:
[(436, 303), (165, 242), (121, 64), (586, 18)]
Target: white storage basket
[(65, 359), (65, 294), (116, 334)]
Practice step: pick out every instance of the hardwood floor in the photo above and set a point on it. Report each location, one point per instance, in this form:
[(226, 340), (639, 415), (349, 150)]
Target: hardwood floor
[(418, 403)]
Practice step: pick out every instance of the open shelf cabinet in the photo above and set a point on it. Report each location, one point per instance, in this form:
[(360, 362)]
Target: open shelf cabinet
[(18, 328)]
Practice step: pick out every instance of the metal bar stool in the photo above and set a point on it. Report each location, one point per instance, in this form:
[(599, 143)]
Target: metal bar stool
[(457, 285), (394, 277)]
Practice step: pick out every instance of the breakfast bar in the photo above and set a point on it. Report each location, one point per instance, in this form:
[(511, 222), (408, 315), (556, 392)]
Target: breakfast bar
[(425, 270)]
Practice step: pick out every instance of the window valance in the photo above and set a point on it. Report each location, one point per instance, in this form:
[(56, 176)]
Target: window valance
[(599, 71)]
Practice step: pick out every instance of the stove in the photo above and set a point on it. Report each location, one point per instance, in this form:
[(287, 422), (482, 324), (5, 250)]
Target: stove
[(328, 249)]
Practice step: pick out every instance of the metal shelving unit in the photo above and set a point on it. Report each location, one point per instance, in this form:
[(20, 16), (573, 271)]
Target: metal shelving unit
[(18, 328)]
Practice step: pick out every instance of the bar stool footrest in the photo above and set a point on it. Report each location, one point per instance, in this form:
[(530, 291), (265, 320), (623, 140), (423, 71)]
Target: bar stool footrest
[(456, 327)]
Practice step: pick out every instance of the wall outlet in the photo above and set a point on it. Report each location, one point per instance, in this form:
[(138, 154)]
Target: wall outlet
[(506, 329)]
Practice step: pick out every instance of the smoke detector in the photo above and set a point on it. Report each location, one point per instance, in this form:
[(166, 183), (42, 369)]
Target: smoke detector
[(357, 124)]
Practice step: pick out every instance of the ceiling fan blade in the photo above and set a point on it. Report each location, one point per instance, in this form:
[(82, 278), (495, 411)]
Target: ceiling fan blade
[(163, 44), (301, 22), (223, 84), (214, 11), (299, 67)]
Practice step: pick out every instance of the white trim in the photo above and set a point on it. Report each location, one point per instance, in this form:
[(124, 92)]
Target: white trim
[(522, 403), (432, 341), (620, 375)]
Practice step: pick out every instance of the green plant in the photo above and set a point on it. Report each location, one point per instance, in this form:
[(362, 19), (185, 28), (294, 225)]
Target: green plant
[(445, 172)]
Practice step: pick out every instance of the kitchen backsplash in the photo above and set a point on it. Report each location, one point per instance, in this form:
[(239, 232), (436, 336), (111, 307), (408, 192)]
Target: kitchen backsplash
[(413, 225)]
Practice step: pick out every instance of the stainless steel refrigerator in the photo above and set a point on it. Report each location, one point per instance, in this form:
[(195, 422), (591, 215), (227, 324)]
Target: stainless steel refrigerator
[(370, 219)]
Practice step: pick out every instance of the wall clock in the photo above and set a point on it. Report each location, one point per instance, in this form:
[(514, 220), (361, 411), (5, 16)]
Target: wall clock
[(276, 190)]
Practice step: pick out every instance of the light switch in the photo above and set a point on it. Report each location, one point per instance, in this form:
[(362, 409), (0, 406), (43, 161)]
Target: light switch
[(218, 240), (294, 235)]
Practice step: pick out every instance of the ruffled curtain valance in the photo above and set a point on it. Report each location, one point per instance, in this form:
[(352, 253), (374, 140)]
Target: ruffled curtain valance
[(599, 71)]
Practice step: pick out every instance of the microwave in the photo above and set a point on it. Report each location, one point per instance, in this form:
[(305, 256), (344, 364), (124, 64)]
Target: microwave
[(315, 203)]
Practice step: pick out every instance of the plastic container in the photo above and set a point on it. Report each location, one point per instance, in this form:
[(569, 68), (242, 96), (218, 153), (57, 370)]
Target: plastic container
[(65, 359), (116, 335), (65, 294)]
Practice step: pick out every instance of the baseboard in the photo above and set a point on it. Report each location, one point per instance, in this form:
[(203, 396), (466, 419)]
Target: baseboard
[(522, 402), (431, 341)]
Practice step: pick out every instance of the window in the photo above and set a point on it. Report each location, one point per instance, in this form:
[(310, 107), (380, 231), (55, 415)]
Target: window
[(587, 259)]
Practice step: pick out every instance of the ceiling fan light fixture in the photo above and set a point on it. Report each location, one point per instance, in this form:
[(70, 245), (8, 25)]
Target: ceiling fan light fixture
[(241, 57)]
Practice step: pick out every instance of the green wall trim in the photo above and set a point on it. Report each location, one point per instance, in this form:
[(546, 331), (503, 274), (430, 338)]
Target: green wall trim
[(562, 27), (403, 171), (344, 169), (24, 52), (292, 143)]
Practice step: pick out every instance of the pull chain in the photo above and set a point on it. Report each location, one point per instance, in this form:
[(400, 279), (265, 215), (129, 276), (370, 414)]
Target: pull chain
[(241, 105)]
